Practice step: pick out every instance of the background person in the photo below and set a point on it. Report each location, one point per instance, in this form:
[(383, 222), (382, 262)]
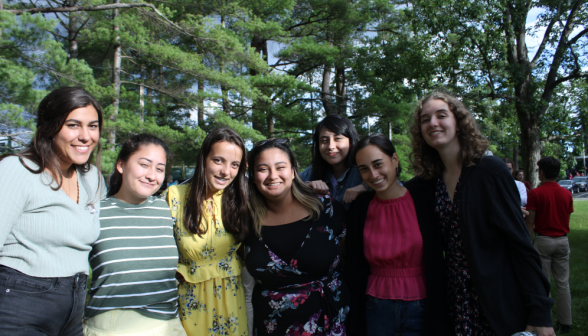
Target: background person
[(494, 277), (295, 251), (210, 221), (549, 208), (520, 185), (49, 209), (332, 170), (394, 251), (519, 175), (134, 260)]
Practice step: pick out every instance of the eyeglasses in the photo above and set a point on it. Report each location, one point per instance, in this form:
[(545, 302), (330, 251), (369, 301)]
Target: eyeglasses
[(278, 141)]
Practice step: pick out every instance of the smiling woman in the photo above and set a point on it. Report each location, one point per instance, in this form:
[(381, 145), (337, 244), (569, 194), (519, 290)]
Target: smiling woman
[(210, 222), (135, 257), (49, 209), (295, 253)]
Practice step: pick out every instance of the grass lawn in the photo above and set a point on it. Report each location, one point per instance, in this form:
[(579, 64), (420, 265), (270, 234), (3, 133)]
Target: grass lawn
[(578, 269)]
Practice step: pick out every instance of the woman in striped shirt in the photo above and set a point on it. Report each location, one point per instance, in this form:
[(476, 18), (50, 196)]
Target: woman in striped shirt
[(134, 260)]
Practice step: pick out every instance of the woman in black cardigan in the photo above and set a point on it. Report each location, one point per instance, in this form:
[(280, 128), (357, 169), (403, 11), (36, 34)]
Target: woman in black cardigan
[(495, 285), (376, 157)]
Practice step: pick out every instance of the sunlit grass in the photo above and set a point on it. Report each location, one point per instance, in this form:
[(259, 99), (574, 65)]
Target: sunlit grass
[(578, 269)]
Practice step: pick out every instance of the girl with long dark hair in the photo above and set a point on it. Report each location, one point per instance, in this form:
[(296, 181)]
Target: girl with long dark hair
[(332, 170), (134, 260), (210, 221), (395, 255), (295, 251), (49, 204), (495, 284)]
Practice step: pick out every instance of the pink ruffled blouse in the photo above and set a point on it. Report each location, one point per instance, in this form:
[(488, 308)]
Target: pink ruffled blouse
[(394, 250)]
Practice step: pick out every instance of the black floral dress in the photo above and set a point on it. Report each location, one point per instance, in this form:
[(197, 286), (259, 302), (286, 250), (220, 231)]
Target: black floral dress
[(464, 306), (308, 295)]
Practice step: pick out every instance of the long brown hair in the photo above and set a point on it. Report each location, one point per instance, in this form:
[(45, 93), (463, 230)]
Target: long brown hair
[(51, 116), (300, 191), (425, 159), (234, 199)]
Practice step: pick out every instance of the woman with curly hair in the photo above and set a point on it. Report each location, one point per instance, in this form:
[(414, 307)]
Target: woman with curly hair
[(494, 279)]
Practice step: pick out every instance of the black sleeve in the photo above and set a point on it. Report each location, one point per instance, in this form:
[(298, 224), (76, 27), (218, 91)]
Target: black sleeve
[(357, 268), (507, 216)]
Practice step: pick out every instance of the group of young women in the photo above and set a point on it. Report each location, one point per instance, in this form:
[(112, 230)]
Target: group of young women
[(342, 248)]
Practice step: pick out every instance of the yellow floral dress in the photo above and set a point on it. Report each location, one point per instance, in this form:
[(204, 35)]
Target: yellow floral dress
[(212, 300)]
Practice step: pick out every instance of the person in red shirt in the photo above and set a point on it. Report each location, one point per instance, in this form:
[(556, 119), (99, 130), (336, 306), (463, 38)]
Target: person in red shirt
[(549, 209)]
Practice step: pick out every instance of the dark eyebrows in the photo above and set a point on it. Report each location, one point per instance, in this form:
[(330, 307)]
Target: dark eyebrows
[(79, 122), (146, 159), (376, 160)]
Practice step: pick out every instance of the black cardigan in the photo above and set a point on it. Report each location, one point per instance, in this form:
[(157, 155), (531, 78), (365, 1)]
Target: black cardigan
[(504, 266), (436, 320)]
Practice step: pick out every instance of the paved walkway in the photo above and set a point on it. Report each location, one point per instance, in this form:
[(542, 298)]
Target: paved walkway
[(582, 196)]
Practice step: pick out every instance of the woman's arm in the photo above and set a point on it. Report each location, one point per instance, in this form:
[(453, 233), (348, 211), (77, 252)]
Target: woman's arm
[(14, 194)]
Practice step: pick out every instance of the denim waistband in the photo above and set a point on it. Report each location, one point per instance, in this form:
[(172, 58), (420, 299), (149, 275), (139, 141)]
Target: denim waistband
[(75, 281)]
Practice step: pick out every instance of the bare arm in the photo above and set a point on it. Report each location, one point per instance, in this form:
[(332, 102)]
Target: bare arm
[(531, 222)]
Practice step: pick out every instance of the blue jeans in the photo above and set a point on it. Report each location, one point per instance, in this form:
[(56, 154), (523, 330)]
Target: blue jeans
[(31, 306), (394, 317)]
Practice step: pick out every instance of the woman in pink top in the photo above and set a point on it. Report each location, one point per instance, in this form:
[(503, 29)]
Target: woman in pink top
[(395, 260)]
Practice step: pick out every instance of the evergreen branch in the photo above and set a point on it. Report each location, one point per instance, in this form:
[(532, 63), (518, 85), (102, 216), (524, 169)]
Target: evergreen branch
[(169, 94), (80, 8)]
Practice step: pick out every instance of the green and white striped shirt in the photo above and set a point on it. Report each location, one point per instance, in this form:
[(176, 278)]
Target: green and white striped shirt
[(134, 260)]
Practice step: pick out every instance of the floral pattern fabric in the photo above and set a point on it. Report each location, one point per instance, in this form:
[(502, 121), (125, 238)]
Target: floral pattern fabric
[(307, 296), (464, 307), (212, 300)]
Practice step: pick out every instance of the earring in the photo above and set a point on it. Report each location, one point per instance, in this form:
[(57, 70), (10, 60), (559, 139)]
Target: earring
[(397, 171)]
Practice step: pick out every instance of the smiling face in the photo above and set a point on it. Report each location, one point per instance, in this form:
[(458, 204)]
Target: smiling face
[(142, 174), (273, 173), (438, 125), (77, 138), (334, 148), (521, 176), (377, 169), (222, 166)]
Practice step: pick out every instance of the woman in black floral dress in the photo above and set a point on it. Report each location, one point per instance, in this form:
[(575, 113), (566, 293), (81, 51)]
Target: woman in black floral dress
[(494, 277), (295, 251)]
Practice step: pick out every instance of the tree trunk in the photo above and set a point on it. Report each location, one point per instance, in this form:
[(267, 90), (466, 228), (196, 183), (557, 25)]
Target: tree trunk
[(326, 92), (116, 80), (515, 157), (200, 102), (142, 93), (260, 106), (270, 125), (341, 88), (72, 32)]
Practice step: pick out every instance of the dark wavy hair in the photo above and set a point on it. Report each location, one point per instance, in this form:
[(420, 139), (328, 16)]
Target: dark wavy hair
[(129, 147), (51, 116), (235, 215), (300, 191), (425, 159), (382, 142), (340, 126)]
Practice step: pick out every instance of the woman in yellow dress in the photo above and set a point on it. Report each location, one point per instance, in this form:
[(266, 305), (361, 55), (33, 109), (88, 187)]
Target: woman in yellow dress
[(210, 222)]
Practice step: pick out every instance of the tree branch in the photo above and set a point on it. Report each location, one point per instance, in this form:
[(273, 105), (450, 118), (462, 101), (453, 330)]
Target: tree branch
[(183, 102), (79, 8), (570, 77), (545, 39), (578, 36)]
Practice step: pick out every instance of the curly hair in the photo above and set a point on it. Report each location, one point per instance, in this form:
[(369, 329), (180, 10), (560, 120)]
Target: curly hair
[(425, 159)]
